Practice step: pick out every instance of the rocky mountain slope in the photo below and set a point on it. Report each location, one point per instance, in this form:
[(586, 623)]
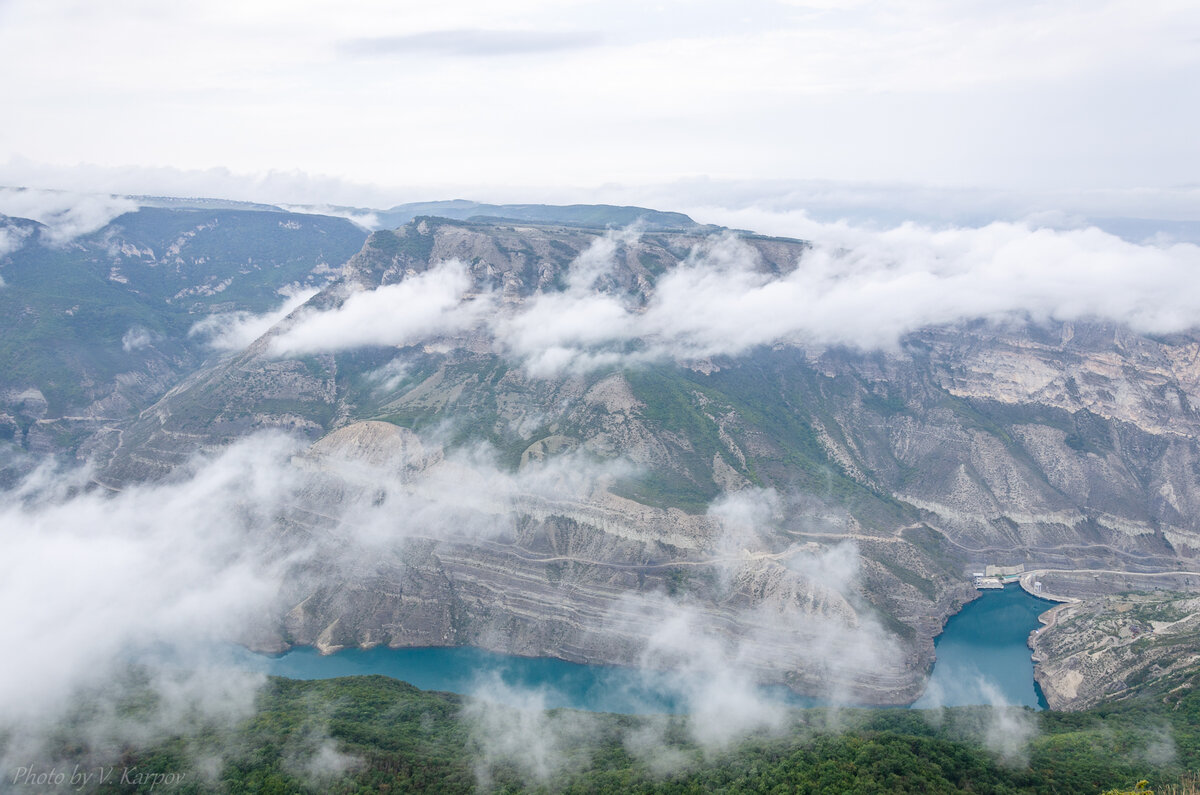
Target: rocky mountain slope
[(95, 328), (1117, 646)]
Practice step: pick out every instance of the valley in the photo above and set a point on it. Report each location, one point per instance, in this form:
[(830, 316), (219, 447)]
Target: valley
[(796, 501)]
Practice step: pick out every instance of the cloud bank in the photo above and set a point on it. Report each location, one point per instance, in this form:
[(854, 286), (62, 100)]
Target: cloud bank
[(162, 573), (857, 287), (12, 238), (233, 331), (102, 576), (203, 558), (66, 215), (427, 304)]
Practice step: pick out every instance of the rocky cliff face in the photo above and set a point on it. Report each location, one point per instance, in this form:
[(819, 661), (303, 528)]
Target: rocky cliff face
[(536, 567), (1117, 645)]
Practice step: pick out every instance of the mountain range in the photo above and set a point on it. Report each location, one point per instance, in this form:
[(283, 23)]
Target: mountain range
[(558, 471)]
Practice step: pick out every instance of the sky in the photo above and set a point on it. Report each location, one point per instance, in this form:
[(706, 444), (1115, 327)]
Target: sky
[(376, 102)]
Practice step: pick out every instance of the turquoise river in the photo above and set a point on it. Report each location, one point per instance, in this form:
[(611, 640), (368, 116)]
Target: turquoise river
[(982, 658)]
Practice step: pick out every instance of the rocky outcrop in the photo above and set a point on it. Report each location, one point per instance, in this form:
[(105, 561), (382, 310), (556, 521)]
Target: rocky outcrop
[(591, 577), (1110, 647)]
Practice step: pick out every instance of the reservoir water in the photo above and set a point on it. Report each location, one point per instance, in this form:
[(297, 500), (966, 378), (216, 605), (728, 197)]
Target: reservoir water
[(503, 677), (981, 659), (982, 656)]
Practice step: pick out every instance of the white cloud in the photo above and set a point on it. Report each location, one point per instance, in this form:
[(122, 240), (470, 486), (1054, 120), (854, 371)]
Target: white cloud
[(166, 575), (66, 215), (719, 688), (510, 726), (859, 287), (423, 305), (367, 219), (551, 328), (159, 573), (12, 238), (704, 657), (135, 339), (323, 764), (390, 376), (462, 495), (104, 576), (1009, 729), (866, 288), (233, 331)]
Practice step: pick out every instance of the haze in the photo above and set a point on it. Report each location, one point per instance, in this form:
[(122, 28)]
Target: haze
[(377, 102)]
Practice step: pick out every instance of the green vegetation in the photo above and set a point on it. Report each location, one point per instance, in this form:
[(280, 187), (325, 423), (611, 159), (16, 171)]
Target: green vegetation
[(413, 245), (376, 734), (65, 312), (595, 216), (768, 403), (259, 252), (467, 414)]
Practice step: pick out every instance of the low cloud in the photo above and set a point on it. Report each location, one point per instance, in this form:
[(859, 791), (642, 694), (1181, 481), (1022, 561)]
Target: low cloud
[(462, 494), (511, 727), (135, 339), (134, 595), (323, 763), (867, 289), (66, 215), (390, 376), (682, 661), (367, 219), (1160, 749), (165, 576), (857, 287), (12, 238), (424, 305), (710, 660), (715, 681), (1009, 729), (102, 576), (992, 721), (747, 518), (233, 331)]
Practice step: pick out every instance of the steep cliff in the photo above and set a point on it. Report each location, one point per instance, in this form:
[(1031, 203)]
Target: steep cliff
[(1113, 647)]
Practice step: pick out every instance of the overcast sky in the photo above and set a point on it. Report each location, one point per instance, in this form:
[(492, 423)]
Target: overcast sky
[(379, 100)]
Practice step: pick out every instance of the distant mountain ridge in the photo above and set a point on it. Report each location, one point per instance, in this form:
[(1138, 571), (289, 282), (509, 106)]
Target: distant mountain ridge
[(592, 216)]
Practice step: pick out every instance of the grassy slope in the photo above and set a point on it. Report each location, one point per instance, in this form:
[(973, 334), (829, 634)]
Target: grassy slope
[(62, 318)]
